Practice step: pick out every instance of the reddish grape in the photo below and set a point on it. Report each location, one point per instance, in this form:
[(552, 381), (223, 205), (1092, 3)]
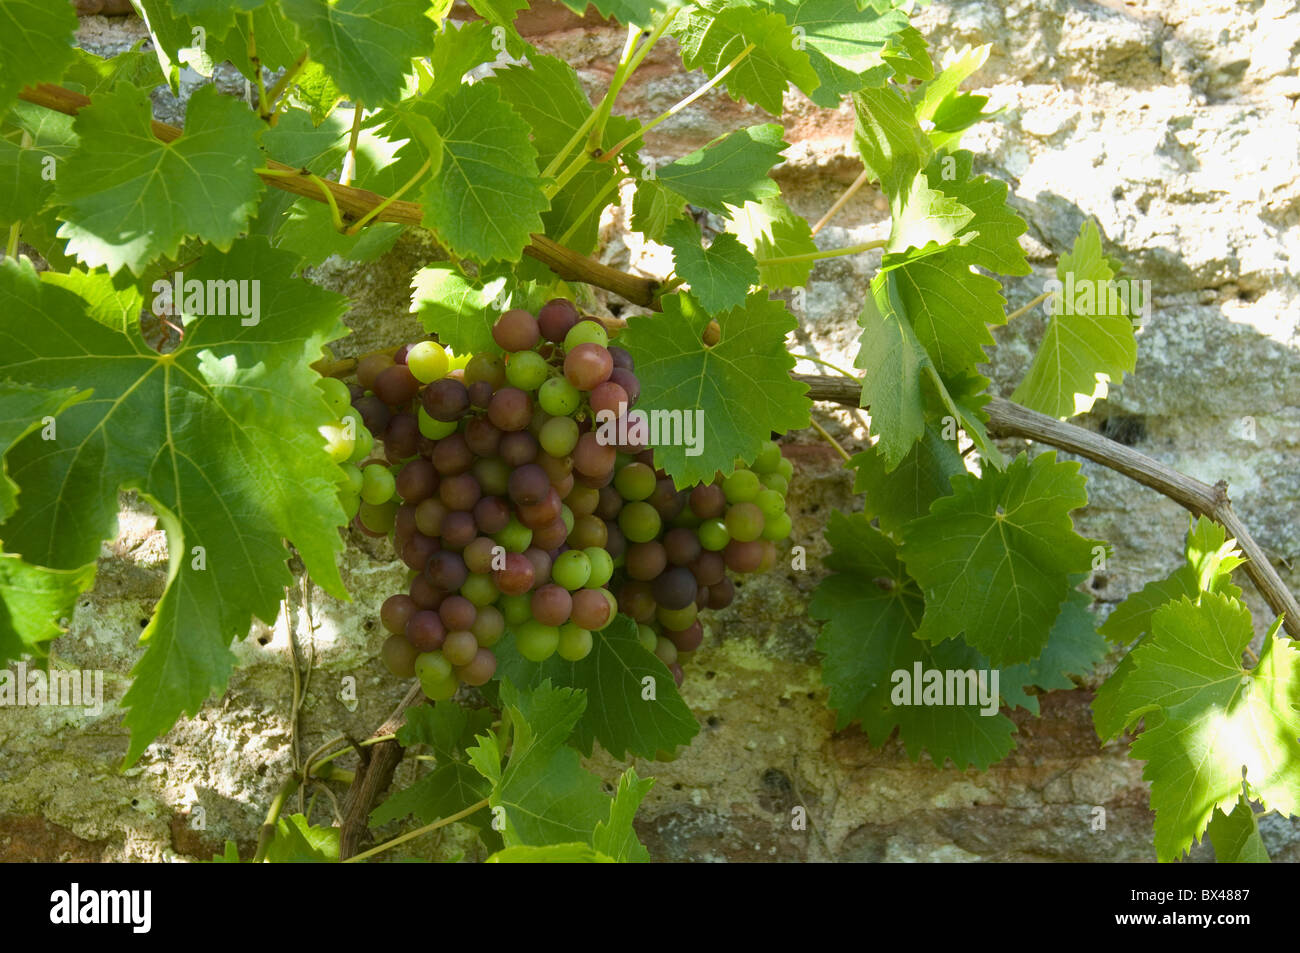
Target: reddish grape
[(516, 330), (689, 638), (541, 561), (446, 399), (460, 492), (518, 448), (721, 594), (682, 546), (418, 549), (400, 437), (458, 531), (416, 481), (517, 577), (452, 455), (708, 502), (592, 458), (621, 358), (551, 604), (645, 561), (510, 409), (628, 381), (637, 600), (425, 594), (609, 397), (447, 570), (482, 437), (425, 631), (396, 385), (587, 365), (551, 535), (556, 318), (374, 413), (674, 588), (457, 612), (399, 655), (480, 394), (591, 610), (395, 611), (743, 556), (459, 648), (491, 514), (529, 484), (480, 669), (370, 367)]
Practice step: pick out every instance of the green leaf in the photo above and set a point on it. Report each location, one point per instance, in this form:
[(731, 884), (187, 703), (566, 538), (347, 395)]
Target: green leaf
[(459, 310), (654, 207), (720, 276), (278, 42), (36, 39), (35, 604), (297, 842), (365, 45), (889, 139), (957, 67), (614, 677), (895, 366), (950, 307), (731, 170), (994, 559), (678, 372), (445, 727), (130, 198), (1236, 836), (23, 409), (923, 216), (714, 34), (616, 838), (575, 853), (316, 90), (1073, 648), (1209, 720), (991, 239), (219, 436), (27, 173), (908, 54), (446, 790), (921, 477), (770, 230), (845, 44), (487, 201), (1089, 340)]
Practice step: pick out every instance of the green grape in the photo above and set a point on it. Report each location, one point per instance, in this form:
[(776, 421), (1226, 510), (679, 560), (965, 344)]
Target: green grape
[(434, 429), (363, 445), (676, 619), (636, 481), (714, 535), (770, 503), (572, 569), (537, 642), (575, 642), (774, 481), (440, 690), (336, 394), (516, 609), (558, 397), (428, 362), (647, 637), (586, 332), (479, 589), (351, 501), (665, 649), (437, 678), (640, 522), (559, 436), (744, 522), (741, 486), (355, 478), (516, 537), (338, 444), (602, 566), (527, 370), (378, 518), (768, 459), (786, 469), (377, 484), (566, 515), (777, 528)]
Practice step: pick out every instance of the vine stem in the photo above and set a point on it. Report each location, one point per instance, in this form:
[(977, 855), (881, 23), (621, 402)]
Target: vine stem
[(825, 435), (281, 85), (350, 158), (828, 253), (378, 209), (863, 178), (266, 833), (818, 360), (1029, 306), (411, 835), (1009, 419)]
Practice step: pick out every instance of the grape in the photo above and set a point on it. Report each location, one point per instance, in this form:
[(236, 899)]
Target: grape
[(596, 482), (452, 455), (708, 568), (559, 436), (404, 523), (446, 399), (478, 554), (666, 651), (399, 655), (557, 468), (537, 515), (565, 485), (457, 612), (639, 522), (516, 330), (636, 481), (588, 531), (339, 444), (610, 502), (626, 380), (482, 437), (401, 437), (480, 394), (575, 643), (350, 502), (541, 561), (602, 566), (515, 538), (460, 492), (721, 594), (768, 459), (458, 530), (674, 588), (688, 639), (742, 486), (774, 481), (437, 678), (396, 385), (529, 484), (491, 515), (744, 522), (479, 589), (674, 620), (591, 609), (516, 609), (708, 502), (592, 458), (586, 332), (555, 319), (742, 556), (395, 611), (374, 413), (587, 365), (645, 561), (336, 394), (582, 500), (459, 647), (551, 536), (615, 541), (518, 448), (647, 637), (551, 604), (713, 535), (537, 642), (418, 550), (363, 441), (493, 475), (527, 370), (378, 517), (621, 358), (489, 626), (637, 600), (778, 527), (681, 546), (567, 518), (429, 515), (572, 570), (558, 397), (608, 397), (679, 675), (485, 369), (517, 576), (370, 367), (427, 361), (510, 409), (416, 481), (480, 669), (433, 429), (425, 631), (770, 503), (769, 556), (425, 594), (447, 570)]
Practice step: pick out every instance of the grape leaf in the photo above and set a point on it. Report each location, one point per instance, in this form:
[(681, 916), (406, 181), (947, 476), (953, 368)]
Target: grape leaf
[(895, 366), (991, 239), (1236, 836), (771, 231), (488, 199), (720, 275), (950, 307), (365, 45), (36, 39), (844, 44), (654, 207), (889, 139), (923, 216), (459, 310), (994, 559), (315, 89), (1073, 648), (1208, 719), (275, 38), (714, 34), (129, 198), (445, 727), (920, 478), (297, 842), (220, 436), (447, 789), (957, 67), (575, 853), (618, 714), (35, 604), (731, 170), (615, 837), (908, 54), (22, 410), (27, 173), (1210, 558), (631, 12), (1089, 340), (679, 372)]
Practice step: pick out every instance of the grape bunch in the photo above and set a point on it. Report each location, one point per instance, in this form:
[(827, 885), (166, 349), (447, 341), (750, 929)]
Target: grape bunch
[(515, 509)]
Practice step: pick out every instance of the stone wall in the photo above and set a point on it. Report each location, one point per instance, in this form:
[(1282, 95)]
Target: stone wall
[(1173, 123)]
